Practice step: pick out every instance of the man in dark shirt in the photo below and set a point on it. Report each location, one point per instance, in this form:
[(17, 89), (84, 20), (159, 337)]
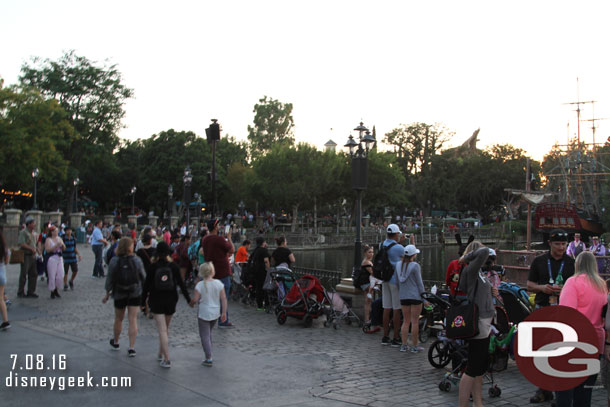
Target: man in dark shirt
[(542, 280), (217, 249)]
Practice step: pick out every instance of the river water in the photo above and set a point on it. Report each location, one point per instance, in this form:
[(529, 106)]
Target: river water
[(433, 260)]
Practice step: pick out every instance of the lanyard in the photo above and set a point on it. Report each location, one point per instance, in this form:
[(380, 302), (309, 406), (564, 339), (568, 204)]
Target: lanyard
[(548, 263)]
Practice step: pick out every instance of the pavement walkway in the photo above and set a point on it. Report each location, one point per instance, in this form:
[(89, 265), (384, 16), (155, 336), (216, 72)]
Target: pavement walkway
[(257, 363)]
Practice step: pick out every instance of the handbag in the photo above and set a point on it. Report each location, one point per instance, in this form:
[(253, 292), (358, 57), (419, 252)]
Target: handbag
[(463, 319), (17, 256)]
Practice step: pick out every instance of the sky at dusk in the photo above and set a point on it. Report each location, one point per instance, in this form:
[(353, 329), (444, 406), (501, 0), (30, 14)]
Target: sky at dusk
[(507, 68)]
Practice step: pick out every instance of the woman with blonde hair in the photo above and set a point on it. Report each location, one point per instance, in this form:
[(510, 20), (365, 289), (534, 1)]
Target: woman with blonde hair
[(210, 295), (587, 293)]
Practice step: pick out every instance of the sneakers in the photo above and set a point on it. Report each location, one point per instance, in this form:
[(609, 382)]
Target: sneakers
[(131, 353), (71, 285), (228, 325), (396, 343), (416, 349), (207, 362), (5, 325), (385, 340), (541, 396), (114, 346), (164, 363), (65, 287), (404, 348)]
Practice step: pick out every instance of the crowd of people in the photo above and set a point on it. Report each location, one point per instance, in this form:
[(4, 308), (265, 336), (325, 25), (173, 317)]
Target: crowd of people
[(145, 272)]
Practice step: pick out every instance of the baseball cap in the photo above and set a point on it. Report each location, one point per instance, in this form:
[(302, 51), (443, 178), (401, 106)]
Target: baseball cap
[(393, 229), (410, 250), (492, 252), (559, 235)]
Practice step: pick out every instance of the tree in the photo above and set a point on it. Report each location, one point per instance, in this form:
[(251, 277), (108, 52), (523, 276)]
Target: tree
[(93, 97), (33, 132), (273, 125)]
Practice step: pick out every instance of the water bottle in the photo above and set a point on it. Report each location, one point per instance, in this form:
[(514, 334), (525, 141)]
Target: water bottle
[(433, 289)]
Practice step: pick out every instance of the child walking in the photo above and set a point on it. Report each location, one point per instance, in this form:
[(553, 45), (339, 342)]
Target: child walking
[(209, 294)]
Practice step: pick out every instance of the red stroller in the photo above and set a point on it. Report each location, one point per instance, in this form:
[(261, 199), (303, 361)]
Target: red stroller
[(304, 301)]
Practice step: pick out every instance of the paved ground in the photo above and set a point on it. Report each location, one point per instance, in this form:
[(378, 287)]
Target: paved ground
[(257, 363)]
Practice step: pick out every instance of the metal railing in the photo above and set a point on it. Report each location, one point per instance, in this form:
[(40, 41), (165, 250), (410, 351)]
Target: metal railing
[(328, 278)]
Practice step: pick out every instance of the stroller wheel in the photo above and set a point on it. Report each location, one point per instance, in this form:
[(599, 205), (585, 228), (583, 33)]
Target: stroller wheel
[(334, 325), (495, 391), (348, 321), (277, 309), (307, 321), (326, 323), (281, 318), (424, 335), (439, 354), (445, 386)]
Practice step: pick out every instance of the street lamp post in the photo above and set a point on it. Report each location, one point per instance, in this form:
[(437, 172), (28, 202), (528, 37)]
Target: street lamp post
[(35, 174), (76, 182), (213, 135), (133, 199), (359, 151), (187, 178), (170, 207)]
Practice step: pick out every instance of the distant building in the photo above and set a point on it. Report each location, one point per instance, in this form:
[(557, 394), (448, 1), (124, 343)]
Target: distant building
[(330, 146)]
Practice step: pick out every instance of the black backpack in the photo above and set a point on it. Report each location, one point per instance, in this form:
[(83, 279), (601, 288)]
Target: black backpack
[(164, 278), (360, 277), (127, 280), (382, 268)]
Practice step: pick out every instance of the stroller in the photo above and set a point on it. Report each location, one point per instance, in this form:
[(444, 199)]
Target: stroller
[(305, 301), (277, 284), (457, 353), (339, 311), (516, 302), (242, 290), (432, 318)]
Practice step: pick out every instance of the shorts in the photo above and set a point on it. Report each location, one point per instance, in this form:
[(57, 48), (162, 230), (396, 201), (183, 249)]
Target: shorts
[(389, 294), (127, 302), (478, 357), (2, 275), (365, 287), (67, 267), (163, 306), (411, 302)]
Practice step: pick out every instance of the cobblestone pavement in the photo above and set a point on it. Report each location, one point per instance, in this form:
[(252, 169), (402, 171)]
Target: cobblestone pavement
[(350, 366)]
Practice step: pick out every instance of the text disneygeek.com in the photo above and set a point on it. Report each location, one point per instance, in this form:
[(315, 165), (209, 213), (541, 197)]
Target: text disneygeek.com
[(25, 368)]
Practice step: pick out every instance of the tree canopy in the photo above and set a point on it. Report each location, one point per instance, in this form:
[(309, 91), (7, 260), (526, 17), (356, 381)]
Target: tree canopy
[(273, 124)]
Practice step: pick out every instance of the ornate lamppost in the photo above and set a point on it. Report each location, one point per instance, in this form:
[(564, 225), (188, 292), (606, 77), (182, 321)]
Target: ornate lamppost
[(35, 174), (359, 152), (187, 178), (133, 199), (213, 135), (76, 182)]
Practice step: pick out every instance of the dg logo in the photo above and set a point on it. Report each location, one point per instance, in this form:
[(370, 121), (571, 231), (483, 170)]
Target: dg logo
[(557, 348)]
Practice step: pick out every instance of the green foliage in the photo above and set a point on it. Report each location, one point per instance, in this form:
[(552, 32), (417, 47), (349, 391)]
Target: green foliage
[(273, 124), (93, 97), (33, 133)]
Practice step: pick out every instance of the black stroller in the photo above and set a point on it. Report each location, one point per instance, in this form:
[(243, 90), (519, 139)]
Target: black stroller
[(277, 284)]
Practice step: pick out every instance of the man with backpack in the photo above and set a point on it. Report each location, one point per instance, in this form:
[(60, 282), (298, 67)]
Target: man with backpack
[(385, 261)]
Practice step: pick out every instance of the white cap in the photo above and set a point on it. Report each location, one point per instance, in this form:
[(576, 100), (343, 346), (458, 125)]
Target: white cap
[(492, 252), (393, 229), (410, 250)]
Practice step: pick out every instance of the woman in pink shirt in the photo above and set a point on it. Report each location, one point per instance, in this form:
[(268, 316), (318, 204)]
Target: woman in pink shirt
[(586, 292)]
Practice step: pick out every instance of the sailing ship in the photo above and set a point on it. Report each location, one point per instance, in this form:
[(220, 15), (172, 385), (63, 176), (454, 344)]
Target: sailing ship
[(575, 182)]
